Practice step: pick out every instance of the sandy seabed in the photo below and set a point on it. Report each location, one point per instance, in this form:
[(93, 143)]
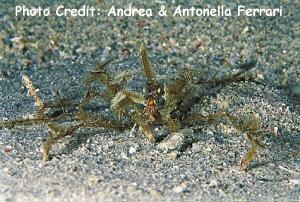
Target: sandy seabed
[(57, 52)]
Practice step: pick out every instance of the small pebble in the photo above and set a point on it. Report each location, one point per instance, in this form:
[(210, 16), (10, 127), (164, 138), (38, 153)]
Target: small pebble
[(8, 148), (131, 151)]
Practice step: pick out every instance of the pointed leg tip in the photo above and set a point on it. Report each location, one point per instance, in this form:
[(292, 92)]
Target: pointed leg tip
[(244, 164), (45, 157), (142, 48), (45, 154), (151, 139)]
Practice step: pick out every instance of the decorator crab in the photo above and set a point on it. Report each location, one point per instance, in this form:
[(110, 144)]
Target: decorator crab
[(166, 103)]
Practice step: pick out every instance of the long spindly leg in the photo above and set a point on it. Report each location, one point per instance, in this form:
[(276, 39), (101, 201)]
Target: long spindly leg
[(249, 126), (199, 118), (145, 127), (56, 133), (251, 153), (172, 124)]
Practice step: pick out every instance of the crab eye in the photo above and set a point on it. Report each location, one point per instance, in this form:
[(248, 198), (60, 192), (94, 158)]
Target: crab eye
[(158, 90)]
